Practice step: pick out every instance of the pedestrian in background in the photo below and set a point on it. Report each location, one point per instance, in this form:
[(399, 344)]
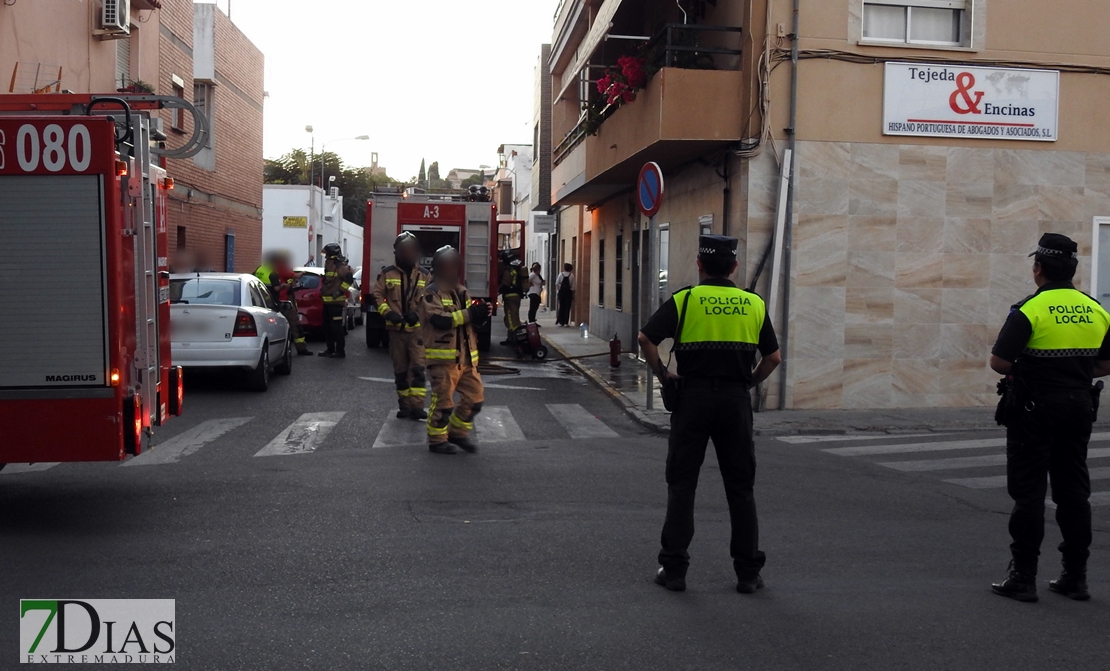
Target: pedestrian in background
[(338, 277), (564, 294), (535, 291), (1052, 346), (717, 330)]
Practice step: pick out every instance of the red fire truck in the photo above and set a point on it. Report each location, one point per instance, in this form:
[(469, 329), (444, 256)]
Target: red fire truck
[(437, 220), (85, 369)]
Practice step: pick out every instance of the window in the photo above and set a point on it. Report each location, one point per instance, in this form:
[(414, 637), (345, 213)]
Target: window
[(620, 272), (536, 144), (123, 62), (601, 272), (181, 243), (204, 291), (177, 115), (939, 22)]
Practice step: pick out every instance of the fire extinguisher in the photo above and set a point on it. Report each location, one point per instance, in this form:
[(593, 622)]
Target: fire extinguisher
[(615, 352)]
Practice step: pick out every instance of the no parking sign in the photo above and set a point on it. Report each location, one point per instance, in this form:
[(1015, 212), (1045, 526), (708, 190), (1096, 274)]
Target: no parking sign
[(649, 191)]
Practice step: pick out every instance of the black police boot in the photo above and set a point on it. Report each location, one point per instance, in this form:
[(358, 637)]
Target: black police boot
[(443, 448), (673, 583), (466, 444), (749, 585), (1018, 585), (1072, 584), (418, 414), (326, 353)]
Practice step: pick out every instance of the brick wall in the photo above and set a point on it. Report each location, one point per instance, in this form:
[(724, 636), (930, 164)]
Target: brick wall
[(209, 204)]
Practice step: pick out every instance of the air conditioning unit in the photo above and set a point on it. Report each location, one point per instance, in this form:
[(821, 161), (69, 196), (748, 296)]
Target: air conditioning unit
[(115, 18)]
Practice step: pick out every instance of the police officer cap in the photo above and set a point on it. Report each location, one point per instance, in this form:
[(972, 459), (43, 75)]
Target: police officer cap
[(1054, 245), (717, 246)]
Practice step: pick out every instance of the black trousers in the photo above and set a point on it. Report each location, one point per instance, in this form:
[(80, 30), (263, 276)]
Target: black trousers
[(566, 301), (721, 412), (533, 306), (1048, 441), (334, 334)]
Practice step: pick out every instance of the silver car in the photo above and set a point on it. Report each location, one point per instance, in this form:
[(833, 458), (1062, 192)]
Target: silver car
[(228, 320)]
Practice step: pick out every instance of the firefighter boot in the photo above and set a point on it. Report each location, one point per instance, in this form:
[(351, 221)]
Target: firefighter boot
[(1019, 585), (467, 444)]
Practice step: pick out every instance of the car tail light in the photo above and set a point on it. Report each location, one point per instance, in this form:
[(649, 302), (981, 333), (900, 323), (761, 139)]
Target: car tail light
[(177, 390), (133, 425), (244, 326)]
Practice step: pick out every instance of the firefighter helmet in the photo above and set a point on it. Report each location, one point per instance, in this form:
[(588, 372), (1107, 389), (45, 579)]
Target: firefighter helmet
[(332, 249), (403, 239), (445, 253)]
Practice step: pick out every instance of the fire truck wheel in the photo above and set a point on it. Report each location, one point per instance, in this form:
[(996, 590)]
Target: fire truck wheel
[(285, 366), (258, 379), (360, 320)]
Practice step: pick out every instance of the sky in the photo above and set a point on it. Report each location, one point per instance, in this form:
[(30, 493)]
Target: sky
[(445, 80)]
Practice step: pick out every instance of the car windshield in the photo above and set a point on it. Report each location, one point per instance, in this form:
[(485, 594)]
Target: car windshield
[(309, 281), (204, 291)]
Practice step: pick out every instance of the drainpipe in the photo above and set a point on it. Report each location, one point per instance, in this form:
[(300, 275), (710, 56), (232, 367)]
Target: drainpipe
[(727, 194), (788, 237)]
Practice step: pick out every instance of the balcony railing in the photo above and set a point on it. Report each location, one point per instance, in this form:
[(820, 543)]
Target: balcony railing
[(677, 45)]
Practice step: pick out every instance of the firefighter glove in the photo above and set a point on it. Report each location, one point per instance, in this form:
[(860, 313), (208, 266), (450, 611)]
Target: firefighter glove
[(479, 312), (412, 319), (394, 317)]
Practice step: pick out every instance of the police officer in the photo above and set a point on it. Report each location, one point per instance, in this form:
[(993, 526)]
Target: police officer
[(717, 330), (338, 278), (398, 294), (449, 318), (1052, 345), (276, 272)]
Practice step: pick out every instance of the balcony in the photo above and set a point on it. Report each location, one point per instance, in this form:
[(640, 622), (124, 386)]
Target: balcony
[(685, 111)]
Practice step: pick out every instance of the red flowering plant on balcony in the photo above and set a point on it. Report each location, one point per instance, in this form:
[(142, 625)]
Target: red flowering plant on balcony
[(619, 84)]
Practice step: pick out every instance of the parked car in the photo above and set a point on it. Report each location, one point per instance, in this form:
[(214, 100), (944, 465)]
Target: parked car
[(354, 314), (310, 304), (227, 320)]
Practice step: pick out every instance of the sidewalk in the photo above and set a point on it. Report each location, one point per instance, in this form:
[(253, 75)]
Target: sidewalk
[(627, 386)]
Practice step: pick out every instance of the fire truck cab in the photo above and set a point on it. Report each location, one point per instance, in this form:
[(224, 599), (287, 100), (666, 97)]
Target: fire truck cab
[(470, 226), (85, 365)]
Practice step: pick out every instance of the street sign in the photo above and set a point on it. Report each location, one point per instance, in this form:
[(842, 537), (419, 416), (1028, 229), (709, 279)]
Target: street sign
[(649, 190), (543, 223)]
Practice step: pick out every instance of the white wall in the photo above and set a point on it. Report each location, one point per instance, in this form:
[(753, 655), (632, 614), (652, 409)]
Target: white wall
[(325, 223)]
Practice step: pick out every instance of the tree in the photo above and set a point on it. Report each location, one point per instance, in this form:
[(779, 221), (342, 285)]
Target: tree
[(477, 179), (422, 176), (433, 171), (356, 185)]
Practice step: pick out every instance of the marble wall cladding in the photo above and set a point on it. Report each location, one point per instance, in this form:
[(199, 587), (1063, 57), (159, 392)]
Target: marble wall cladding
[(907, 259)]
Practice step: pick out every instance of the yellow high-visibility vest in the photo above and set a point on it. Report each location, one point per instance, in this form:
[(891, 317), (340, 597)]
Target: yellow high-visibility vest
[(719, 318), (1066, 322)]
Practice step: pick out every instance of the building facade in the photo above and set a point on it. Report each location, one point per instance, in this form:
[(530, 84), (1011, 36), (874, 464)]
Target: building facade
[(174, 48), (301, 219), (931, 143)]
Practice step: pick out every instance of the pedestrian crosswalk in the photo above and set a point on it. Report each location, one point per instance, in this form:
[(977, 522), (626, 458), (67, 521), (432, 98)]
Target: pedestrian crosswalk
[(310, 431), (980, 463)]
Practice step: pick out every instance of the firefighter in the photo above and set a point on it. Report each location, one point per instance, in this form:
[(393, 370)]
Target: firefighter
[(512, 288), (338, 278), (398, 293), (276, 272), (451, 351)]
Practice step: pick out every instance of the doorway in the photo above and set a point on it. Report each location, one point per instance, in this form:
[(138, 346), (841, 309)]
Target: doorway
[(1100, 263)]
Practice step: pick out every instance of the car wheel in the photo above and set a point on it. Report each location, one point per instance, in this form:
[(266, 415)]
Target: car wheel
[(385, 338), (259, 377), (286, 365), (360, 320)]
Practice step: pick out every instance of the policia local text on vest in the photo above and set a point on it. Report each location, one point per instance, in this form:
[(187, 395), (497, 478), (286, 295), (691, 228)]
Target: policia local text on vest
[(718, 331)]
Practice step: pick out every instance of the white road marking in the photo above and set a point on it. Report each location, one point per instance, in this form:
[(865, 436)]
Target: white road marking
[(496, 425), (843, 438), (999, 481), (579, 422), (302, 436), (397, 432), (188, 442), (14, 469), (487, 385), (968, 462), (865, 450)]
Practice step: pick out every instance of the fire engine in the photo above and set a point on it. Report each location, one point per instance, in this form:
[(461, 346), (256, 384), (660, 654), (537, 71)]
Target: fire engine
[(466, 221), (85, 365)]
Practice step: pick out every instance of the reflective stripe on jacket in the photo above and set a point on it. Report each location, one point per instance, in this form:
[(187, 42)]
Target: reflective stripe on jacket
[(400, 292), (452, 345), (1065, 322), (337, 280)]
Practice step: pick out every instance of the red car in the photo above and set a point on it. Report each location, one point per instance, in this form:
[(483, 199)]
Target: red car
[(310, 304)]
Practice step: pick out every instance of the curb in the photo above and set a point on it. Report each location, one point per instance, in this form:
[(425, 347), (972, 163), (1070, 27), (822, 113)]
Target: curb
[(619, 399)]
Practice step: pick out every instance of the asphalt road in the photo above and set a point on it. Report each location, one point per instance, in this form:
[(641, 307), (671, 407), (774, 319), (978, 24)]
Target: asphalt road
[(539, 552)]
